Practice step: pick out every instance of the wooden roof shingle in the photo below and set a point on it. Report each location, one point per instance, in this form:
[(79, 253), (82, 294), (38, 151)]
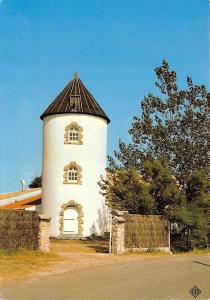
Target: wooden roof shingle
[(75, 98)]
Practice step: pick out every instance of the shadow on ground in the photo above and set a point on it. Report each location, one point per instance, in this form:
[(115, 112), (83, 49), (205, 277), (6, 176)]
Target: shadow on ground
[(100, 248), (98, 245)]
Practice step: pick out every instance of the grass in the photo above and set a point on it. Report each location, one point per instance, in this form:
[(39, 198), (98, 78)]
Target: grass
[(162, 253), (148, 254), (21, 263), (195, 251), (78, 246)]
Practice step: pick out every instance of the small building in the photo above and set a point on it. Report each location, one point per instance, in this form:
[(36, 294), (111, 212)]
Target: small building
[(74, 158)]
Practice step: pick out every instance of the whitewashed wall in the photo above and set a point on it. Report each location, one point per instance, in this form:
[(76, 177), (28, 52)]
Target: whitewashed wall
[(91, 156)]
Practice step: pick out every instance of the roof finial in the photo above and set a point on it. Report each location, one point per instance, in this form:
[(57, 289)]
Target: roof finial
[(76, 75)]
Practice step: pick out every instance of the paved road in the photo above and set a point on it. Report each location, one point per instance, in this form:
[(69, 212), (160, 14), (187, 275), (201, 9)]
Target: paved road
[(156, 278)]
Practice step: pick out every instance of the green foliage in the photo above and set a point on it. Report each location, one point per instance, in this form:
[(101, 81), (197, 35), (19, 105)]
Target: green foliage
[(164, 187), (158, 192), (174, 126), (192, 217), (197, 186), (169, 152), (151, 193), (198, 204), (36, 182), (126, 190)]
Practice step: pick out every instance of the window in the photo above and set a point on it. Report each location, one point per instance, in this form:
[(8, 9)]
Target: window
[(73, 134), (72, 173)]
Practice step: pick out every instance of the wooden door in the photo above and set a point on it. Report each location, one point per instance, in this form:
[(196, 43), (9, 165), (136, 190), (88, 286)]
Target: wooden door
[(70, 222)]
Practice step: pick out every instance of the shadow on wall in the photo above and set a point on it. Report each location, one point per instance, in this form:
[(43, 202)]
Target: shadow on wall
[(102, 222), (100, 231), (93, 230)]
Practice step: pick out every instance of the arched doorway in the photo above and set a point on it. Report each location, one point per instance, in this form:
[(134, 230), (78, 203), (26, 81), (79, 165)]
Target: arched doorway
[(70, 221)]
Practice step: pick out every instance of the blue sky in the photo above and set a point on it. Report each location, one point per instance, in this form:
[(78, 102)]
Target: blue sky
[(114, 45)]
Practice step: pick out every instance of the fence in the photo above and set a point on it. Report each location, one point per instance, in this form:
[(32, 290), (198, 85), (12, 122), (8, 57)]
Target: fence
[(140, 233), (23, 229)]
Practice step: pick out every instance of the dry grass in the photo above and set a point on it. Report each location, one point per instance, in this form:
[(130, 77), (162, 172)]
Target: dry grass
[(78, 246), (147, 254), (195, 251), (22, 263), (66, 255)]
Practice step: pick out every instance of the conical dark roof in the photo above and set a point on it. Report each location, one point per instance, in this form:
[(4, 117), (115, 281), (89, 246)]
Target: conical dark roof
[(75, 98)]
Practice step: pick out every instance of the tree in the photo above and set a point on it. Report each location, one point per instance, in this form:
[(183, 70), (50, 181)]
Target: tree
[(148, 193), (174, 126), (164, 188), (192, 218), (156, 191), (125, 190), (169, 152), (36, 182), (198, 204)]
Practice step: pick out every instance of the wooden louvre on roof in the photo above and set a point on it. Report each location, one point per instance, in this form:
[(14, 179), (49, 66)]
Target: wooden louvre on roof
[(75, 98)]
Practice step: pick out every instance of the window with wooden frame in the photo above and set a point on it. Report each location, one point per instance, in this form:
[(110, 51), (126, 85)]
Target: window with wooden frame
[(72, 173), (73, 134)]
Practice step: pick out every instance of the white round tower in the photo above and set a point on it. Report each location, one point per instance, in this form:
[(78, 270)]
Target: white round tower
[(74, 158)]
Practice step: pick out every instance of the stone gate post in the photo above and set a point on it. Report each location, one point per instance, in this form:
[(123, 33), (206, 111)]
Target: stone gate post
[(44, 233), (118, 234)]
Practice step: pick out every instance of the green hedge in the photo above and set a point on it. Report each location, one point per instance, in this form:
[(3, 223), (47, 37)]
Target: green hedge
[(19, 229)]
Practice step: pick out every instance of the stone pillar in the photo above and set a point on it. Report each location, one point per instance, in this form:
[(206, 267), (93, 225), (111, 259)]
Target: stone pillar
[(118, 235), (44, 233)]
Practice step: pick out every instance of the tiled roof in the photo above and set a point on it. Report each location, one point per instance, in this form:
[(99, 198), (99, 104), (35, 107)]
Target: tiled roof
[(17, 197), (75, 98), (18, 193), (25, 203)]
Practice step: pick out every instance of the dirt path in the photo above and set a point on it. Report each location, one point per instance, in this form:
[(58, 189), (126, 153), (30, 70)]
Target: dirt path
[(169, 277), (65, 255)]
